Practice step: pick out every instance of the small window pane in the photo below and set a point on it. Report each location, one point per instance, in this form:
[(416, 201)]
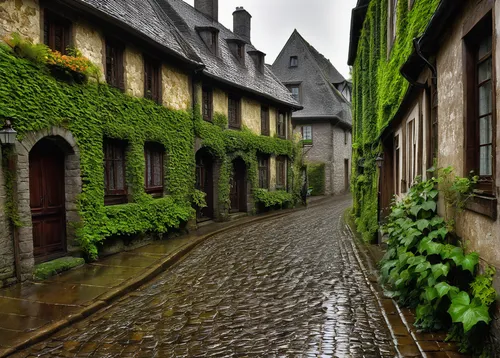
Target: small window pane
[(307, 133), (120, 182), (485, 130), (485, 71), (484, 47), (485, 99), (157, 169), (485, 168)]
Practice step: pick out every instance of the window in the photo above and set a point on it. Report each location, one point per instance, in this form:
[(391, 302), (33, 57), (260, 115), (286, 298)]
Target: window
[(280, 172), (152, 80), (346, 137), (207, 99), (114, 172), (281, 124), (411, 141), (234, 112), (480, 113), (264, 120), (154, 178), (263, 172), (410, 4), (295, 90), (114, 64), (397, 165), (56, 32), (294, 61), (306, 132)]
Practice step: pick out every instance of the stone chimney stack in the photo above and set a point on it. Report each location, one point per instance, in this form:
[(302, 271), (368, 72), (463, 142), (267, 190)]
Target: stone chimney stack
[(208, 7), (241, 23)]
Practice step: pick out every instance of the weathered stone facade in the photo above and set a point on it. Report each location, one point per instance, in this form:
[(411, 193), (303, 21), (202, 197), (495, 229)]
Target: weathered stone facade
[(7, 260), (176, 88), (21, 16), (90, 42), (134, 72)]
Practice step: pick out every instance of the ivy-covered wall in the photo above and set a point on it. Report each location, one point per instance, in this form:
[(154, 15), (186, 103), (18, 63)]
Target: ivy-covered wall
[(316, 178), (35, 101), (378, 89)]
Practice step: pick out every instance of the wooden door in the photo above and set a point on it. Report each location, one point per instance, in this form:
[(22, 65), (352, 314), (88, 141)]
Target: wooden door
[(46, 166), (204, 183), (346, 175), (238, 187)]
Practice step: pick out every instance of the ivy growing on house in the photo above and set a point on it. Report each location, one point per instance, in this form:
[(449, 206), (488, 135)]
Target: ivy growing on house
[(378, 91), (35, 100)]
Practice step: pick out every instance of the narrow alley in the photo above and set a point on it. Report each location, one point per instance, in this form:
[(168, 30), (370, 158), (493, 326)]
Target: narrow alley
[(290, 286)]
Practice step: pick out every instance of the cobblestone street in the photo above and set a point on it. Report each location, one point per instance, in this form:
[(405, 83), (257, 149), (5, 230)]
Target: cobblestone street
[(289, 287)]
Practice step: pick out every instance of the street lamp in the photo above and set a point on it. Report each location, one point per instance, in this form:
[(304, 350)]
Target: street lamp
[(380, 160), (7, 133)]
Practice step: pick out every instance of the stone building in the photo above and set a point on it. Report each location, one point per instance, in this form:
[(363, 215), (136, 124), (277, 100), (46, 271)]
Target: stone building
[(181, 103), (325, 122), (446, 113)]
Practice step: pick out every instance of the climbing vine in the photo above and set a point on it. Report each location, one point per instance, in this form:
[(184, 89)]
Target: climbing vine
[(35, 100), (378, 90)]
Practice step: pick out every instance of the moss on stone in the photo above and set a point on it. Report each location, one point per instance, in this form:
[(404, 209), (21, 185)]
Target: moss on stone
[(52, 268)]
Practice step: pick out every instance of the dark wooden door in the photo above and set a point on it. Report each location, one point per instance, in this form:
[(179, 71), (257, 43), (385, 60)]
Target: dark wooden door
[(47, 200), (238, 187), (346, 175), (204, 182)]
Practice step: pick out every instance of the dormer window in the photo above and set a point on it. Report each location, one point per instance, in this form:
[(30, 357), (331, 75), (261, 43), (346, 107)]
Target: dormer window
[(294, 61), (237, 47), (258, 58), (210, 36)]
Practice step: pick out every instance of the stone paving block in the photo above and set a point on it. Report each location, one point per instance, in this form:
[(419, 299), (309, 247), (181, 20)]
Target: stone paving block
[(97, 275), (125, 259), (43, 311), (21, 323)]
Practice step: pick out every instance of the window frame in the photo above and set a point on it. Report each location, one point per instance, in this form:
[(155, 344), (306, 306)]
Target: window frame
[(154, 66), (281, 132), (280, 172), (291, 87), (207, 98), (152, 148), (294, 61), (482, 29), (263, 162), (51, 21), (392, 20), (307, 141), (115, 196), (234, 122), (264, 121), (117, 77)]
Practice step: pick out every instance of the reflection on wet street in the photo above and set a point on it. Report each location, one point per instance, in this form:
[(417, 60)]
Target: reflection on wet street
[(287, 287)]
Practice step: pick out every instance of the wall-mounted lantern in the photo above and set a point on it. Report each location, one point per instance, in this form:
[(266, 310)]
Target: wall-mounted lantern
[(380, 160), (7, 133)]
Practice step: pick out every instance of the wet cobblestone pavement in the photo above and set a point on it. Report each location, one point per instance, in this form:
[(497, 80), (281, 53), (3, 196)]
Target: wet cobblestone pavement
[(287, 287)]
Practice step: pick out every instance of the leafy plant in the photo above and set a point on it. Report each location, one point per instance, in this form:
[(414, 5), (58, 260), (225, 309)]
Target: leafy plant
[(425, 269), (273, 198), (198, 199), (37, 53)]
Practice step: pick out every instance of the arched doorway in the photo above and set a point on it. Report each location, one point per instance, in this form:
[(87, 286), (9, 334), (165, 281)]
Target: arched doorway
[(205, 183), (238, 194), (47, 200)]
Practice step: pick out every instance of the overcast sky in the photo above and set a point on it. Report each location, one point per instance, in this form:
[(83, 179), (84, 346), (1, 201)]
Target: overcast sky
[(325, 24)]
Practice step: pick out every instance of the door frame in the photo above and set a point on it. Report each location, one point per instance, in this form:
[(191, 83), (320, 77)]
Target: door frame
[(73, 187)]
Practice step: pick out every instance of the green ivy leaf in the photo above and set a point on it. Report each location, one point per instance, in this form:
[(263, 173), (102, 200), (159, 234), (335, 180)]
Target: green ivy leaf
[(429, 246), (430, 294), (424, 266), (469, 314), (429, 205), (444, 288), (423, 224), (386, 267), (433, 193), (415, 210), (439, 270), (451, 252), (469, 262)]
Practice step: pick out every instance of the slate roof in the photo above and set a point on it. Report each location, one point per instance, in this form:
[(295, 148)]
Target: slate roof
[(224, 67), (172, 25), (144, 18), (313, 73)]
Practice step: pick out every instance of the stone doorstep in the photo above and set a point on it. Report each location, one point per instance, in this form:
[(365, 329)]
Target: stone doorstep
[(401, 321), (82, 308)]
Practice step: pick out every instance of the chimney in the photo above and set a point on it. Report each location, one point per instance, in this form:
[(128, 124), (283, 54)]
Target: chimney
[(241, 23), (208, 7)]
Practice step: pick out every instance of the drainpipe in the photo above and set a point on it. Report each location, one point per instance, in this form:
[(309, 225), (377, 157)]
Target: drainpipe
[(418, 51)]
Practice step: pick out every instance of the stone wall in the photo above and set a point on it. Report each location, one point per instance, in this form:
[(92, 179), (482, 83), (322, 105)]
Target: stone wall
[(22, 16), (250, 115), (134, 72), (176, 88), (220, 101), (90, 42), (7, 267), (328, 147)]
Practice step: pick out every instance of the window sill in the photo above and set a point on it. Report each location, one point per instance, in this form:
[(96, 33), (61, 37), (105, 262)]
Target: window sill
[(234, 127), (483, 205)]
